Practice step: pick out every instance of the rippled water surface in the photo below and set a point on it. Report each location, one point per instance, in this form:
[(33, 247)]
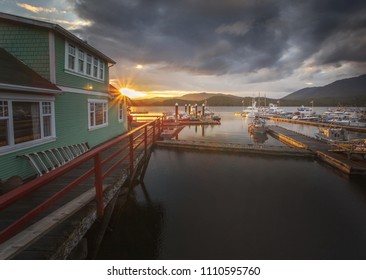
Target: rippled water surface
[(224, 206)]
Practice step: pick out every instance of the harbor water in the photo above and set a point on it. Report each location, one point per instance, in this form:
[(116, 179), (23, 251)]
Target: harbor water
[(206, 205)]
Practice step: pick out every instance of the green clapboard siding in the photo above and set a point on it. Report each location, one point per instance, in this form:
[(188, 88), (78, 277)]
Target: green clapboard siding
[(71, 113), (66, 79), (28, 44)]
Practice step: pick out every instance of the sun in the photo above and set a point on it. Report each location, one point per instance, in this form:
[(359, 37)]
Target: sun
[(131, 93)]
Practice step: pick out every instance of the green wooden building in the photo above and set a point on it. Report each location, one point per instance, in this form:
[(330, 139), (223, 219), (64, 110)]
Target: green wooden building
[(54, 92)]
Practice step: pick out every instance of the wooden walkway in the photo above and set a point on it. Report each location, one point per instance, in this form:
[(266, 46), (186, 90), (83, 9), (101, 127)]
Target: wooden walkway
[(234, 148), (56, 232), (351, 166)]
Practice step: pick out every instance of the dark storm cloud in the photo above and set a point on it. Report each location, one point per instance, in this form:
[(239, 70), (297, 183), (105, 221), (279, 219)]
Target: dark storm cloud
[(231, 36)]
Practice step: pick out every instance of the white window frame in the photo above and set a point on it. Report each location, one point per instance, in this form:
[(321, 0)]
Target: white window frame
[(81, 61), (92, 113), (81, 55), (71, 54), (121, 110), (12, 147)]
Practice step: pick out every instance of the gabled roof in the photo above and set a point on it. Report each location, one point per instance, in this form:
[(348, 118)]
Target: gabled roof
[(15, 75), (57, 28)]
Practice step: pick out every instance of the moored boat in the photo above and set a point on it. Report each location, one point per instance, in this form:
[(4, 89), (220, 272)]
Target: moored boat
[(333, 135), (257, 126)]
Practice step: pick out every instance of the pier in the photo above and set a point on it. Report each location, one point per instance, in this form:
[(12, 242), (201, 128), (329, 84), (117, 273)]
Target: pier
[(234, 148), (325, 152), (53, 215)]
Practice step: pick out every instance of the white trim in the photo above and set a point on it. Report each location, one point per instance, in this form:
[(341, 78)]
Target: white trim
[(121, 117), (29, 89), (26, 145), (83, 91), (102, 101), (52, 56), (11, 146), (83, 74), (26, 97), (68, 71)]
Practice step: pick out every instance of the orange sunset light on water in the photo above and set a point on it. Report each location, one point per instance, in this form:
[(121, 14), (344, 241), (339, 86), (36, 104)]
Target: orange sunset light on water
[(131, 93)]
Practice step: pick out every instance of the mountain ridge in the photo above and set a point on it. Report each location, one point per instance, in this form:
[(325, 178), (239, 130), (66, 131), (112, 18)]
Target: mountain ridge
[(346, 92)]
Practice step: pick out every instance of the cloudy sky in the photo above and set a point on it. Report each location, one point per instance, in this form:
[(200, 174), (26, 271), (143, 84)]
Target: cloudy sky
[(241, 47)]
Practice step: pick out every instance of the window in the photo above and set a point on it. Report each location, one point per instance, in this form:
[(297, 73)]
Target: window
[(98, 116), (82, 63), (25, 122), (89, 60), (71, 57), (120, 111), (4, 119), (47, 118), (101, 70), (95, 68)]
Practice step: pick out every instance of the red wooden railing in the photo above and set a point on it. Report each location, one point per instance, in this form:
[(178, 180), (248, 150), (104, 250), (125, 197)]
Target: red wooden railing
[(135, 138)]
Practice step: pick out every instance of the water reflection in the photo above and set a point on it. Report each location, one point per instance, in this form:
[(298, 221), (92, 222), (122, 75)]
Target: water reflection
[(136, 228), (218, 206), (259, 138)]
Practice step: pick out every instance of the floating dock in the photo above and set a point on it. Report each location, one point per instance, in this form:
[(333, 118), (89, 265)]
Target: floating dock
[(341, 161), (234, 148), (320, 124)]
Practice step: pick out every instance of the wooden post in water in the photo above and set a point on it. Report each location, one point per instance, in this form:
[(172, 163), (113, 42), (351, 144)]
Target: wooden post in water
[(189, 109), (176, 111), (203, 111), (98, 185), (185, 108), (196, 110)]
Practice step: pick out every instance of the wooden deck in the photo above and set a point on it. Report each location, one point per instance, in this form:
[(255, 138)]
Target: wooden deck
[(56, 232), (352, 166)]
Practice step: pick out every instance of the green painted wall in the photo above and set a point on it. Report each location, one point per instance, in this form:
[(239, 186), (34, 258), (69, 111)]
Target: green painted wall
[(71, 112), (66, 79), (28, 44)]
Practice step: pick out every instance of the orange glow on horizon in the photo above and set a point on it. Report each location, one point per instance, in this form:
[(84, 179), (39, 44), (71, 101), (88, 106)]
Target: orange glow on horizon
[(131, 93)]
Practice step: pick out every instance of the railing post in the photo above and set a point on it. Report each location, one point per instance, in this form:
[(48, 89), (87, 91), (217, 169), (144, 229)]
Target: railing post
[(145, 141), (98, 185), (131, 155), (159, 126), (153, 139)]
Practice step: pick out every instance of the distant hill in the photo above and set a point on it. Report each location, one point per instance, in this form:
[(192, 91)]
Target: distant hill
[(350, 92)]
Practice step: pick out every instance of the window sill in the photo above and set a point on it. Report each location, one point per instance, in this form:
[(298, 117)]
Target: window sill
[(97, 127), (22, 146)]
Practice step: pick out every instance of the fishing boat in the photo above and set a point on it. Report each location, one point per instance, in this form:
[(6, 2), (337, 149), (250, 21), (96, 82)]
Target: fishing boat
[(333, 135), (251, 111), (257, 126), (303, 110)]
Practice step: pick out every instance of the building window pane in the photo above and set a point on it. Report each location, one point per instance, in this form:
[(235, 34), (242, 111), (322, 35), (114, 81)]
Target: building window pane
[(101, 70), (4, 133), (47, 126), (81, 61), (89, 60), (95, 68), (71, 57), (4, 109), (26, 121)]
